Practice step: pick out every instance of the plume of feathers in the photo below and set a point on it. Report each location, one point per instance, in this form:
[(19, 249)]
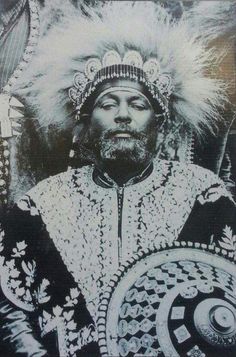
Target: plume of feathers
[(145, 26), (213, 18)]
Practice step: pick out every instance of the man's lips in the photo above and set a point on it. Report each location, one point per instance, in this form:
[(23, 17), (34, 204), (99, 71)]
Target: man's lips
[(122, 135)]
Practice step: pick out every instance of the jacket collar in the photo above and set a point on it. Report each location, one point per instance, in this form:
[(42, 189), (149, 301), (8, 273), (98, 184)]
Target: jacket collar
[(104, 180)]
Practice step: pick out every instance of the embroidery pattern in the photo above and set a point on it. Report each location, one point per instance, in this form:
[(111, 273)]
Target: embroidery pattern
[(70, 339), (17, 276), (87, 239), (212, 194), (41, 294), (228, 241)]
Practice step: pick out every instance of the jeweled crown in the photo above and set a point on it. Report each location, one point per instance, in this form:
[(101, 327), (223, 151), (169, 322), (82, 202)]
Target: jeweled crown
[(112, 66)]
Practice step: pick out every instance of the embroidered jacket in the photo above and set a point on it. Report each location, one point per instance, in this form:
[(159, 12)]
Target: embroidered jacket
[(67, 237)]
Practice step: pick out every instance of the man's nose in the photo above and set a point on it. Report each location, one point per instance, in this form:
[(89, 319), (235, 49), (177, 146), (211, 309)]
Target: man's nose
[(122, 115)]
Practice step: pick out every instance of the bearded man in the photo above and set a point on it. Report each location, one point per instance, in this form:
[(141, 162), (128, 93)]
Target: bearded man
[(77, 245)]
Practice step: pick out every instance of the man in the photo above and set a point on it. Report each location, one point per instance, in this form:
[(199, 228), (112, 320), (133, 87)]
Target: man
[(73, 232), (28, 144)]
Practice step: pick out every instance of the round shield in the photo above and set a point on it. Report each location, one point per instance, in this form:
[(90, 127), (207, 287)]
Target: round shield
[(178, 302)]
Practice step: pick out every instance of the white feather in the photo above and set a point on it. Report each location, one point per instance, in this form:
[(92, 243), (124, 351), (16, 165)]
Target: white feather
[(213, 18), (121, 25)]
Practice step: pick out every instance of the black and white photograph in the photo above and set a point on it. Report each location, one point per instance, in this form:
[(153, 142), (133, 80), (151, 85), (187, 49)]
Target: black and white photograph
[(117, 178)]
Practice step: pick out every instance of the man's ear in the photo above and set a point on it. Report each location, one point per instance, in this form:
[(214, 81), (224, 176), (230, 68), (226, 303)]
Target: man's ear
[(80, 129), (84, 118), (82, 124)]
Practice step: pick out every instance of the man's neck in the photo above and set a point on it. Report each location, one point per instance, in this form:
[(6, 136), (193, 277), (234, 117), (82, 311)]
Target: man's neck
[(123, 173)]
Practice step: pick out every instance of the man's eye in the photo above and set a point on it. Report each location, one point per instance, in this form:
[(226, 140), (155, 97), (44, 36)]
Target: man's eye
[(138, 106), (107, 106)]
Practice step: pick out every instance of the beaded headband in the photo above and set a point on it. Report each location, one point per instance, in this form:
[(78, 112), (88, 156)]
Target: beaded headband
[(132, 67)]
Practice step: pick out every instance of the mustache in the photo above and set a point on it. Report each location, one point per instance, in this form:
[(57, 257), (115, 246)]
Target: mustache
[(109, 134)]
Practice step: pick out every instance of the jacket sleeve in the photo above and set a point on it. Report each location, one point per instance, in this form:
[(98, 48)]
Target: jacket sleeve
[(213, 220), (19, 332), (43, 312), (17, 335)]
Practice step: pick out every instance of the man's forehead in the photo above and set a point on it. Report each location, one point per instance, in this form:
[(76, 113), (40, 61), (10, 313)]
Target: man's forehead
[(135, 89), (125, 93), (121, 88)]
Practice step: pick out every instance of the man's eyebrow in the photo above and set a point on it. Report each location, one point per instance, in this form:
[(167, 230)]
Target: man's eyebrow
[(109, 96), (116, 97), (137, 97)]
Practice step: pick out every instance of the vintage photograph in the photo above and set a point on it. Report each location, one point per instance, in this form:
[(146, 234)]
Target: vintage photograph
[(117, 178)]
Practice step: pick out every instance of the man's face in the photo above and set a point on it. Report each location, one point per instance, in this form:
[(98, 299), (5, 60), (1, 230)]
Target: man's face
[(123, 127)]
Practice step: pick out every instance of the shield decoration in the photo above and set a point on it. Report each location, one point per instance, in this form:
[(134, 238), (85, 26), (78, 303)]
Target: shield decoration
[(171, 301)]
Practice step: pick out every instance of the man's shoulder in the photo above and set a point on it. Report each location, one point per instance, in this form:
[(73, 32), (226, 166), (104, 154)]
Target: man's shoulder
[(197, 173), (55, 186), (189, 170), (206, 184)]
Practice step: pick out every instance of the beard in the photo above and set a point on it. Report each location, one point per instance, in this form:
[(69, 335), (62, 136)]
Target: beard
[(135, 150)]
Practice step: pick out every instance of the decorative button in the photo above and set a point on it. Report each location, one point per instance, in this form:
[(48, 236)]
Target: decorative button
[(122, 328), (195, 352), (146, 340), (2, 183), (123, 347), (215, 320), (177, 312), (6, 153), (189, 293), (146, 325), (182, 334), (134, 344), (223, 318)]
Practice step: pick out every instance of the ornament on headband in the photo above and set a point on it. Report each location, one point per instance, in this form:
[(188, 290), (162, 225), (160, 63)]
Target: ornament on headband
[(158, 84)]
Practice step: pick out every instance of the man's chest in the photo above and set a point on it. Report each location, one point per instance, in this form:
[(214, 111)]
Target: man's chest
[(106, 227)]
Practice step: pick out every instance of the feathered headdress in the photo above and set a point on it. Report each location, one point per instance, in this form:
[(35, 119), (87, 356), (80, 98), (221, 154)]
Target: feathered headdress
[(181, 57), (213, 18)]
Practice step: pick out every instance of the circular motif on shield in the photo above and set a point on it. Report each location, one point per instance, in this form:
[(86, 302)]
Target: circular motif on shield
[(165, 304)]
